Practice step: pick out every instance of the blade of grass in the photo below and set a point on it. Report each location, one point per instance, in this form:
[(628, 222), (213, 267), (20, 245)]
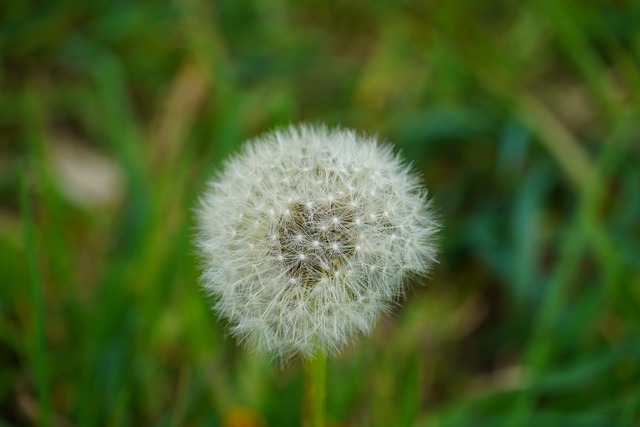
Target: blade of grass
[(37, 345), (111, 325), (573, 38), (585, 229)]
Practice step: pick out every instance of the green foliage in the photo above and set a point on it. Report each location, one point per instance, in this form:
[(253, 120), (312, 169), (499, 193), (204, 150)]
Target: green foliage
[(522, 116)]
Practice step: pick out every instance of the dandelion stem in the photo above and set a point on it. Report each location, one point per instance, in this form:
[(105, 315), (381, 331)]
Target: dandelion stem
[(315, 391)]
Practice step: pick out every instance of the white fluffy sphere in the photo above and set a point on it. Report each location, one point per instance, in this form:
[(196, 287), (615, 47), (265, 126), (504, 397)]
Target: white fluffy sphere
[(308, 235)]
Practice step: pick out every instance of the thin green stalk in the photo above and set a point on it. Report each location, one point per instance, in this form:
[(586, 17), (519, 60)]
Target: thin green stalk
[(37, 344), (315, 372)]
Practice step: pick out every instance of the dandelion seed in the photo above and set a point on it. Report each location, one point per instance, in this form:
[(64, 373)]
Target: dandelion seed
[(296, 279)]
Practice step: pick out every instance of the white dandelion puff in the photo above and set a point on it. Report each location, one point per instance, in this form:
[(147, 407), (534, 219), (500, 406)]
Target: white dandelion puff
[(307, 237)]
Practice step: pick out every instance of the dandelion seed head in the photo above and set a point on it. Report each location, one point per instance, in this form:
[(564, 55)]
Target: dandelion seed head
[(326, 227)]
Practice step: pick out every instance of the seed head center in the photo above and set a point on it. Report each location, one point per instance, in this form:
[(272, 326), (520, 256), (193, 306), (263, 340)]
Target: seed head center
[(315, 241)]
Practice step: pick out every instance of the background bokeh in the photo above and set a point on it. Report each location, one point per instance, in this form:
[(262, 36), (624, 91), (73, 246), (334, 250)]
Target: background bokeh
[(523, 118)]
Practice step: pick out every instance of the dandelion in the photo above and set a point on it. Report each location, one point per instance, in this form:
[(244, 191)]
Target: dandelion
[(308, 236)]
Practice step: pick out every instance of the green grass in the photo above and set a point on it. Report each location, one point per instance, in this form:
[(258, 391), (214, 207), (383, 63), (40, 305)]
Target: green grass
[(37, 352), (522, 118)]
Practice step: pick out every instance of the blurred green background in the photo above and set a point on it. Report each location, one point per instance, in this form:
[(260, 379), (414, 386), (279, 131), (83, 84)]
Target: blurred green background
[(523, 118)]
